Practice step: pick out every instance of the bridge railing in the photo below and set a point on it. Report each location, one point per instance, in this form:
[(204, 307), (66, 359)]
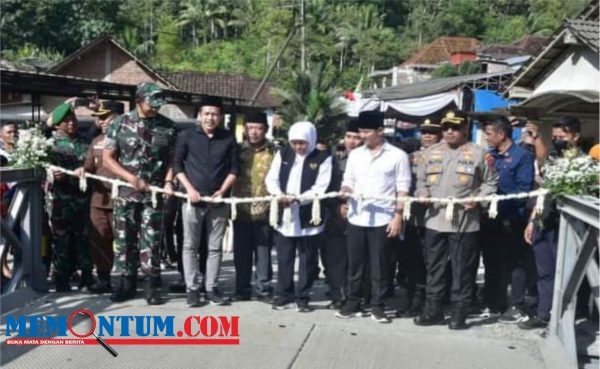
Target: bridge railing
[(576, 259), (22, 231)]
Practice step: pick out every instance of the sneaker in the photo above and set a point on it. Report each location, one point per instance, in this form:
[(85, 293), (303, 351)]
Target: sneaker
[(335, 305), (512, 315), (347, 314), (282, 303), (303, 307), (193, 299), (379, 316), (489, 313), (215, 298), (532, 322)]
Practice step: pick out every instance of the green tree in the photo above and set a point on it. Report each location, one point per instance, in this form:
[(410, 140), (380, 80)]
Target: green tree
[(168, 45), (313, 98)]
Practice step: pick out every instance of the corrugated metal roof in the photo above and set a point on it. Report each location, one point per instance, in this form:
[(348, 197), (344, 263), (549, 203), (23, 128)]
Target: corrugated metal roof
[(434, 86)]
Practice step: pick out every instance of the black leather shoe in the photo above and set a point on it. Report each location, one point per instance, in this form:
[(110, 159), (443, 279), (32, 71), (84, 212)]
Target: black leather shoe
[(432, 315), (425, 319), (458, 317)]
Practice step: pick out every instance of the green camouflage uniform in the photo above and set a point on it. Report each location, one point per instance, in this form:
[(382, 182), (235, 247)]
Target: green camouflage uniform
[(67, 208), (144, 147)]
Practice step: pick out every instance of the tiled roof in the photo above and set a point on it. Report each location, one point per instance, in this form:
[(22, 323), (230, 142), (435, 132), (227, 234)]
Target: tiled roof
[(528, 45), (440, 50), (587, 31), (235, 86)]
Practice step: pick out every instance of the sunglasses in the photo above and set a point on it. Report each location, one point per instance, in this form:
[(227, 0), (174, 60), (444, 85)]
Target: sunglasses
[(453, 127)]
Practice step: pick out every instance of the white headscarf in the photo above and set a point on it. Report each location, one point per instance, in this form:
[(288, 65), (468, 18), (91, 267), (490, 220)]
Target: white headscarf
[(304, 131)]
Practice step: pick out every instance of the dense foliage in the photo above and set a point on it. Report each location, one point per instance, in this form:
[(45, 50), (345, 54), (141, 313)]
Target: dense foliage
[(349, 37)]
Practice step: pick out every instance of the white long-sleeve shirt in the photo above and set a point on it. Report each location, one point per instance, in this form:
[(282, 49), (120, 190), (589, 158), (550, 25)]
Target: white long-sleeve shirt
[(384, 173), (293, 188)]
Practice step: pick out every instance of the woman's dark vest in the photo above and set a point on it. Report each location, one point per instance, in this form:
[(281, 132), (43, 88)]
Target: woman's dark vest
[(310, 172)]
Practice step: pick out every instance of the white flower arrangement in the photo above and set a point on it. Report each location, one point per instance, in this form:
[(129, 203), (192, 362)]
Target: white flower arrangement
[(32, 149), (572, 175)]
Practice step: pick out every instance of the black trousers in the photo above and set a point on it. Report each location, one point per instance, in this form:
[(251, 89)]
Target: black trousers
[(507, 260), (286, 256), (368, 246), (337, 264), (410, 257), (461, 249), (252, 245)]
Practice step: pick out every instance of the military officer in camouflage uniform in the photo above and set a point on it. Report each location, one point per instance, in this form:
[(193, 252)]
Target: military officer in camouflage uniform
[(67, 206), (454, 168), (138, 149)]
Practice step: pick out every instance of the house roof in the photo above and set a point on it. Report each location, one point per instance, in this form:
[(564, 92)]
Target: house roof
[(528, 45), (584, 31), (236, 86), (434, 86), (98, 41), (441, 49)]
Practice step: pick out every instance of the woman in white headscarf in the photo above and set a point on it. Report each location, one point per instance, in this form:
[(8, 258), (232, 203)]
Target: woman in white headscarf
[(299, 169)]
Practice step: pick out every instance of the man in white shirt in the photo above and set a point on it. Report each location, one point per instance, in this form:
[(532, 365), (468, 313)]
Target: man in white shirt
[(300, 169), (377, 169)]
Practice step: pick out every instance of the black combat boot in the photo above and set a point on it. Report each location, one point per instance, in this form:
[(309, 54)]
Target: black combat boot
[(102, 285), (126, 290), (431, 315), (459, 316), (152, 291)]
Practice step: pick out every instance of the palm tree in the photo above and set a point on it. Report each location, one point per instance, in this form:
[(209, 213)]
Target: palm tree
[(193, 15), (314, 98)]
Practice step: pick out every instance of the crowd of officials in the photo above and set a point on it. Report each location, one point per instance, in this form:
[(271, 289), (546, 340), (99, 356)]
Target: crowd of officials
[(364, 245)]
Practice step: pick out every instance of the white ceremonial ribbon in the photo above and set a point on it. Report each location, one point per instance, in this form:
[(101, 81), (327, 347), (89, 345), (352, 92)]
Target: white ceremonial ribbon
[(406, 211), (83, 183), (188, 206), (539, 203), (154, 199), (316, 212), (450, 209), (274, 212), (49, 175), (287, 217), (114, 191), (493, 210), (233, 209)]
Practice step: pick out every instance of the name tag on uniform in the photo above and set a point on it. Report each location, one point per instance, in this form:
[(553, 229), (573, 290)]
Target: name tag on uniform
[(160, 137)]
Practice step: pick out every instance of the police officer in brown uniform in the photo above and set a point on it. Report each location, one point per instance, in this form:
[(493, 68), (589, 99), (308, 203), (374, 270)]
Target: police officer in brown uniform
[(101, 205), (454, 168)]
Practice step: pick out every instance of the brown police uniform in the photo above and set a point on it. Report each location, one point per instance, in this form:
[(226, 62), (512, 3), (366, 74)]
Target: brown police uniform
[(101, 210)]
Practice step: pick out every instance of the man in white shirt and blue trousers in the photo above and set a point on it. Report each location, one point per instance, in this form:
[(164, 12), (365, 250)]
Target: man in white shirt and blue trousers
[(299, 169), (375, 169)]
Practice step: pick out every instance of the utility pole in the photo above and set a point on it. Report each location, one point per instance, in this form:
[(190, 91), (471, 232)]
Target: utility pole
[(302, 37)]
